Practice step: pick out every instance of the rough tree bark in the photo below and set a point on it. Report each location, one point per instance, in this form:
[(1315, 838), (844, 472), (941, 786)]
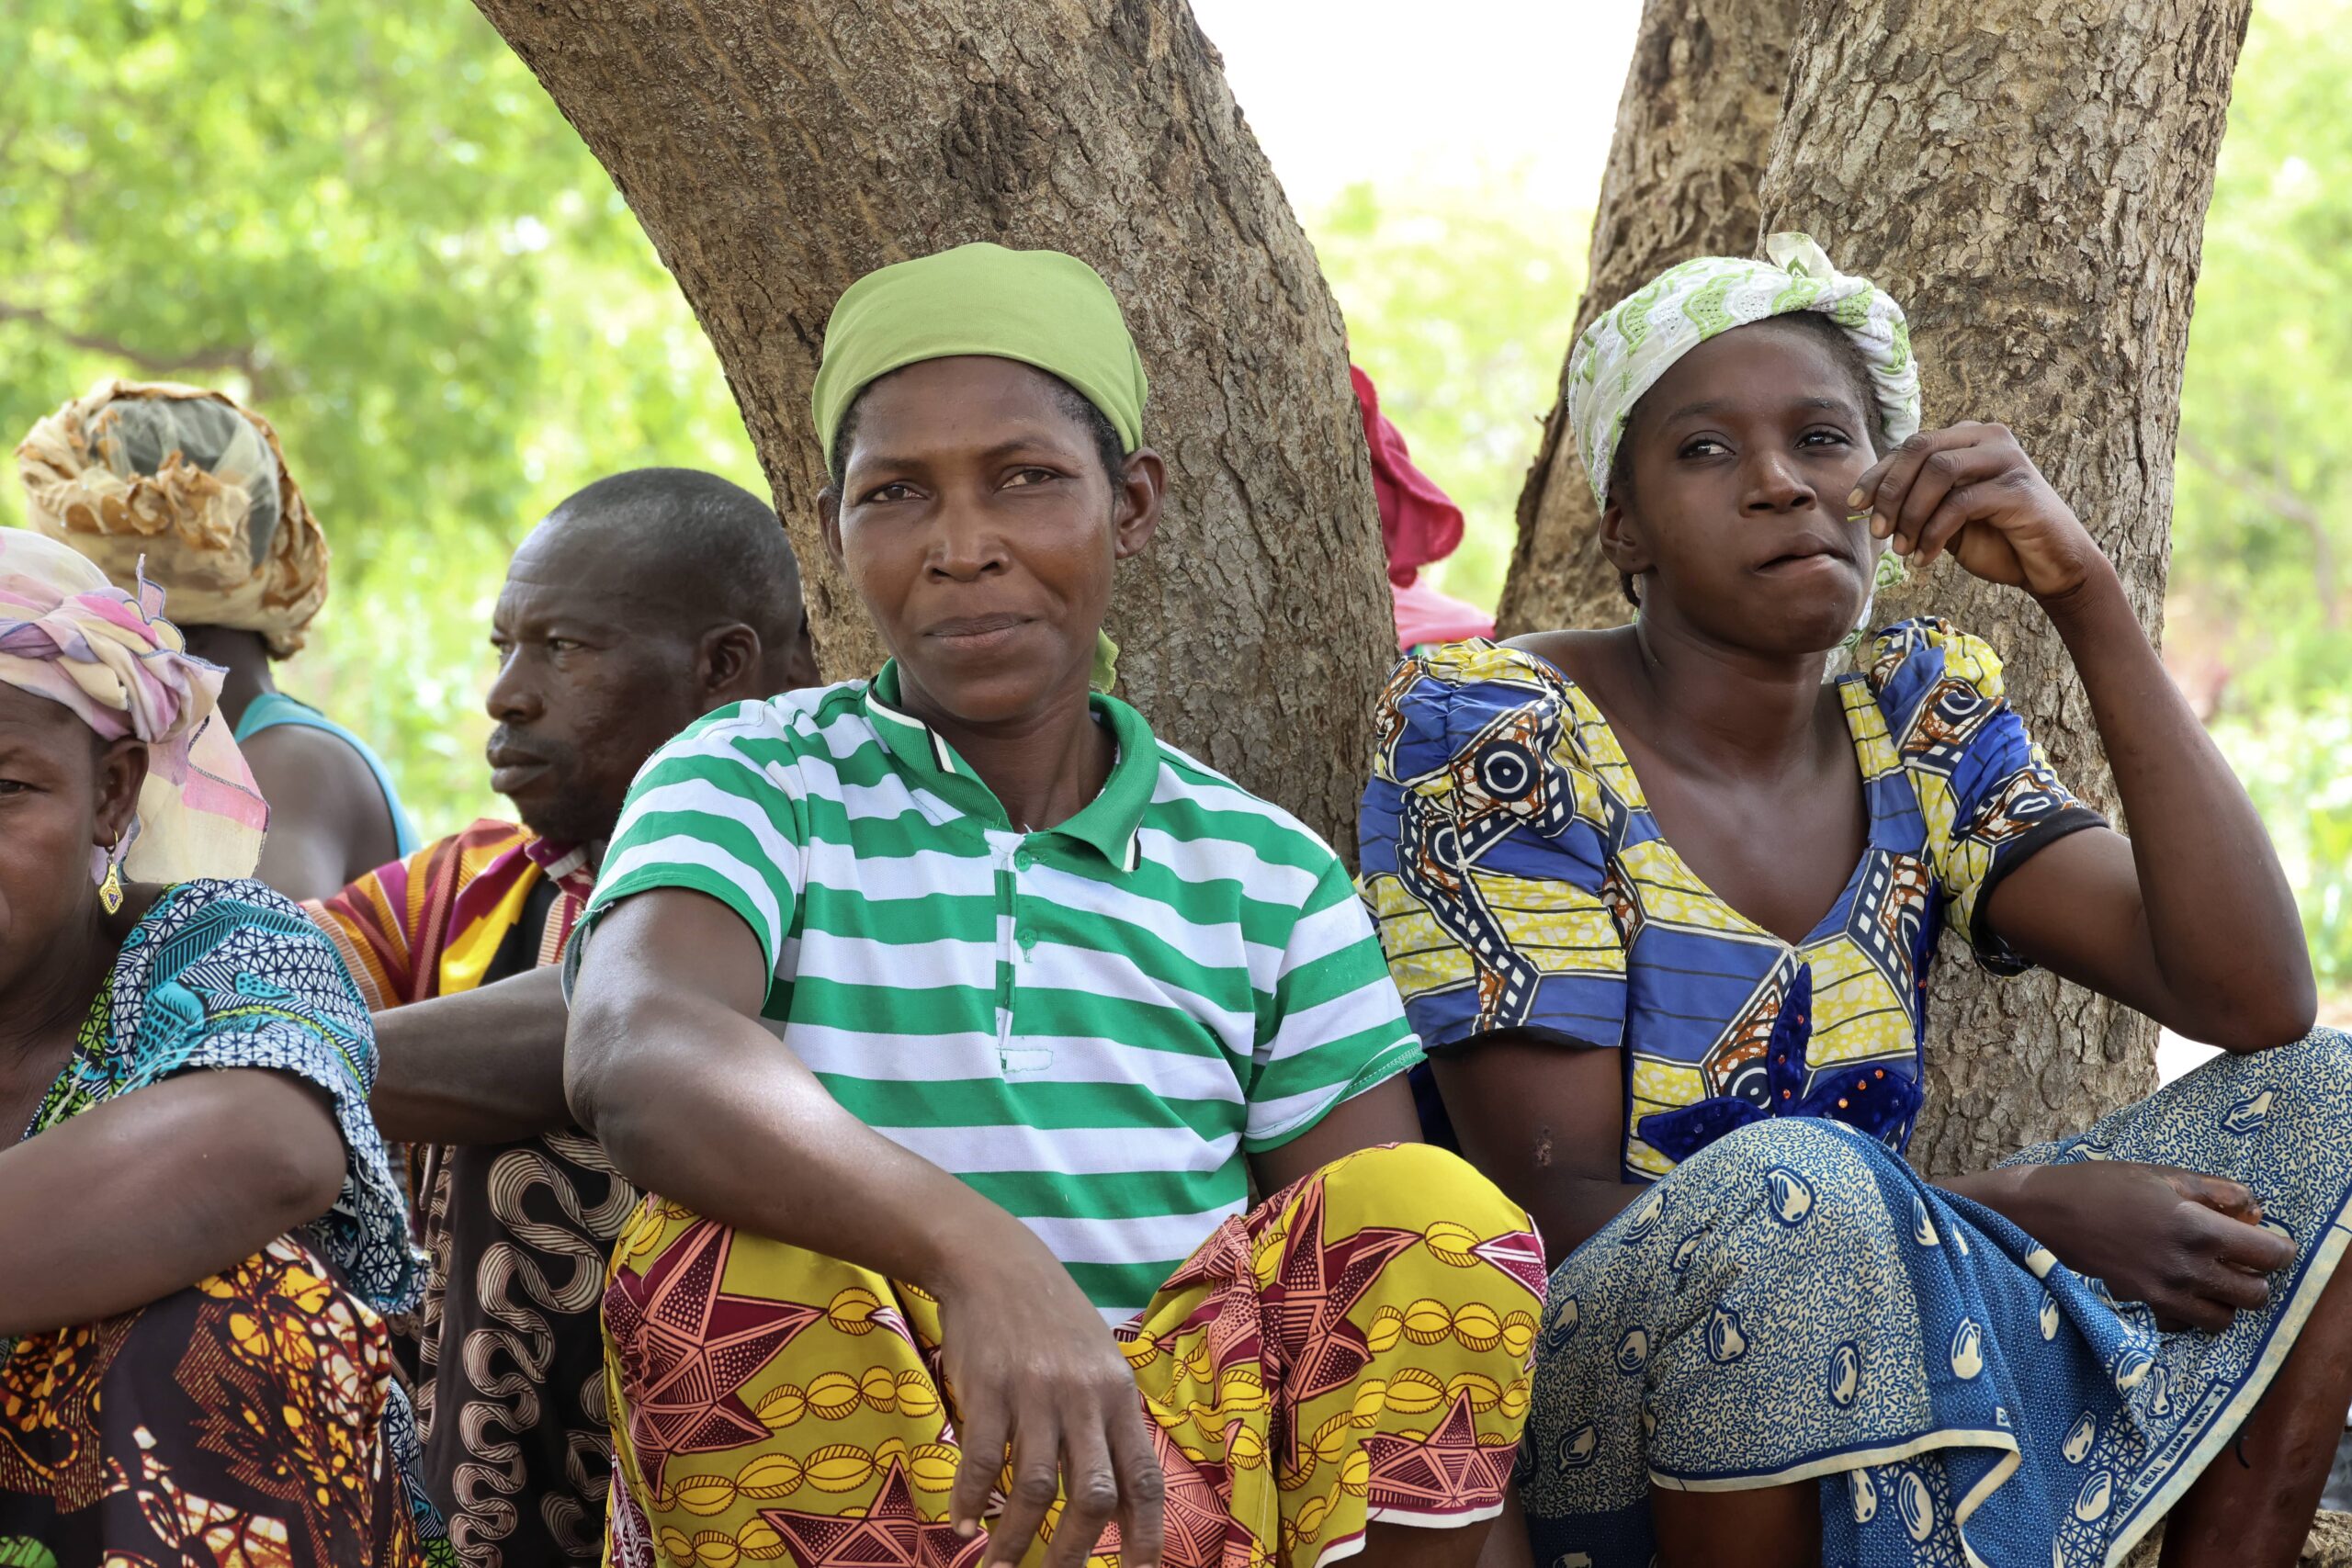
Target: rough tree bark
[(2029, 177), (1694, 128), (775, 150)]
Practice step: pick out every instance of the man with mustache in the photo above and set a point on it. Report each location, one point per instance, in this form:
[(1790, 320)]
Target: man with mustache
[(641, 604)]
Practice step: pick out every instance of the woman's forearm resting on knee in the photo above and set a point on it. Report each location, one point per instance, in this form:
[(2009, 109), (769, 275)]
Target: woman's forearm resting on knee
[(164, 1186), (692, 1098)]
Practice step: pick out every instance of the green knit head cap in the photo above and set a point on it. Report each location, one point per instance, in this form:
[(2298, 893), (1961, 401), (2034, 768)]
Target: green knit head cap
[(1040, 307)]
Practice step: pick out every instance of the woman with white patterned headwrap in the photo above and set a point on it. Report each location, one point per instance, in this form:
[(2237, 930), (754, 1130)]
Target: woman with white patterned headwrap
[(1662, 901)]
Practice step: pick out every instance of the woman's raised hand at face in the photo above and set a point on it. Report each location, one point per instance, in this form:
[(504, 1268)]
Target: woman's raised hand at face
[(1970, 490)]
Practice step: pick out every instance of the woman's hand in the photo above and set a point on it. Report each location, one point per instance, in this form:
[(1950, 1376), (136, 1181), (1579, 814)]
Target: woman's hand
[(668, 1064), (2192, 1246), (1971, 489), (1034, 1368)]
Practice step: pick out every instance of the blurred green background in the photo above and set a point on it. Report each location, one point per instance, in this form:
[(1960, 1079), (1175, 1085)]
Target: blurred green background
[(369, 219)]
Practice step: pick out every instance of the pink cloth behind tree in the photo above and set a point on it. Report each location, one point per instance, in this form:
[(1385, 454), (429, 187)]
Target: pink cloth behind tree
[(1424, 614), (1419, 526)]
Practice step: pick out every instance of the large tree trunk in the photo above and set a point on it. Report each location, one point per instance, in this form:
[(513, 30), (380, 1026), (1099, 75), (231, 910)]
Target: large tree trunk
[(2030, 180), (1694, 128), (775, 150)]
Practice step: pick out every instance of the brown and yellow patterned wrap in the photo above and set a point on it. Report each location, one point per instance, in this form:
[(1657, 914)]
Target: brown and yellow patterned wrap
[(1355, 1351), (219, 556)]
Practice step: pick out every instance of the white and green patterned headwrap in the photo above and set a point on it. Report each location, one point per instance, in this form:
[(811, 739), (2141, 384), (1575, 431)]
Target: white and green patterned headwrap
[(1627, 348)]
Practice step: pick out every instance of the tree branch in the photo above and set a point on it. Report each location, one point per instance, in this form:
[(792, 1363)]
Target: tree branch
[(2277, 498), (223, 356)]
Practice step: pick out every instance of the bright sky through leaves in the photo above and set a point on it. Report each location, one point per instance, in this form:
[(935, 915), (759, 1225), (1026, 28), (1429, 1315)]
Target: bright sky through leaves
[(1391, 90)]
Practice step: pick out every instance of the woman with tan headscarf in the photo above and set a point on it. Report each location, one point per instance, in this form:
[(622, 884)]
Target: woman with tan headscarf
[(189, 487)]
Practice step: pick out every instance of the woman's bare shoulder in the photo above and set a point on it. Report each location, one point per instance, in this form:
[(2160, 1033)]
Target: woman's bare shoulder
[(1583, 655)]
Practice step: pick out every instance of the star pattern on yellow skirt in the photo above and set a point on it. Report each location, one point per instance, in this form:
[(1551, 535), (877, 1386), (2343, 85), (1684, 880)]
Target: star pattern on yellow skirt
[(890, 1535), (1443, 1472), (689, 1347)]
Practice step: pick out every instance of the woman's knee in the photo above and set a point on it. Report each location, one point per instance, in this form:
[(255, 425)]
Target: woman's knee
[(2322, 1057), (2315, 1070), (1422, 1176), (1806, 1146), (1794, 1173)]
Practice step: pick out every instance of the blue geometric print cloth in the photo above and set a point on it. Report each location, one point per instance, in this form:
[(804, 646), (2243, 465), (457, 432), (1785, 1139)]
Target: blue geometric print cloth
[(232, 975), (1520, 882), (1794, 1303)]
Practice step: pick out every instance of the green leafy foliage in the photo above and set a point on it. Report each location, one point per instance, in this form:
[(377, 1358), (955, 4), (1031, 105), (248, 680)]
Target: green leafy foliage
[(372, 222), (2260, 613), (2263, 520), (2294, 763), (1458, 300)]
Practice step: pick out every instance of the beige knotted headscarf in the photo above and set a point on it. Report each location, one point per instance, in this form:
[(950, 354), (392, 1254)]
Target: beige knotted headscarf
[(194, 483)]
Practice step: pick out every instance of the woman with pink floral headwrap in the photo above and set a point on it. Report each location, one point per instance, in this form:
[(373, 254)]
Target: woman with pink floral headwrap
[(194, 1264)]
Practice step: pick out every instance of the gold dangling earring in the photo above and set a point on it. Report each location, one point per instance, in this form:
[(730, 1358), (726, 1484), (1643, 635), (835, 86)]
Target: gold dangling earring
[(110, 890)]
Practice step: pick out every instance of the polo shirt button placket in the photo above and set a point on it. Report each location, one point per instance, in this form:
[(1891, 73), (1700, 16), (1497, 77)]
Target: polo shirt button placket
[(1007, 858), (1025, 936)]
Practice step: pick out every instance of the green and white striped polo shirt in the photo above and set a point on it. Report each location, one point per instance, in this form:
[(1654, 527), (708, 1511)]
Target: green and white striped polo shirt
[(1091, 1024)]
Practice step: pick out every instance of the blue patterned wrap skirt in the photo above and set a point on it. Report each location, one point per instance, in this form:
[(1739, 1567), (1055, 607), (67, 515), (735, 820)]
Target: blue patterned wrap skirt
[(1796, 1303)]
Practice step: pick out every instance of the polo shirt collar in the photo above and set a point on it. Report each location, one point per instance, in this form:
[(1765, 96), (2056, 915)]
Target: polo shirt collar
[(1111, 823)]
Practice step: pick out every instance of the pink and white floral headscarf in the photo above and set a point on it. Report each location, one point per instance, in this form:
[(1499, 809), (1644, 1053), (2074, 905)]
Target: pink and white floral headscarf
[(69, 635)]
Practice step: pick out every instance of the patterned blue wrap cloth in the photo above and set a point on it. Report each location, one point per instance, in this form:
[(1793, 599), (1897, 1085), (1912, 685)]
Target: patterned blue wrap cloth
[(1790, 1301), (1795, 1303)]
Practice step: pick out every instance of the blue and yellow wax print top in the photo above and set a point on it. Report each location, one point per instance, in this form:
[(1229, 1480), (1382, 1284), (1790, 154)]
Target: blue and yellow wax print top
[(1521, 882)]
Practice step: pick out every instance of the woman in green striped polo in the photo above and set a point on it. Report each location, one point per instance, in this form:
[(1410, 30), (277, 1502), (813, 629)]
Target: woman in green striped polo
[(951, 1013)]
